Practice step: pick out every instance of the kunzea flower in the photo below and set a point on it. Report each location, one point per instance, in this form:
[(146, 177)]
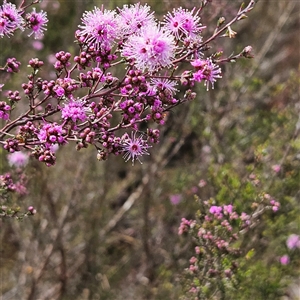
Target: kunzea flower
[(37, 22), (216, 211), (18, 159), (183, 23), (206, 70), (175, 199), (284, 260), (65, 87), (162, 84), (276, 168), (100, 28), (10, 19), (51, 133), (152, 48), (37, 45), (134, 147), (134, 17), (74, 110), (228, 209), (293, 241), (4, 109), (165, 89)]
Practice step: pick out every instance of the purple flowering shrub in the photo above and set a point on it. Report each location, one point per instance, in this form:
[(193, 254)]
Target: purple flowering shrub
[(13, 186), (87, 103), (217, 233)]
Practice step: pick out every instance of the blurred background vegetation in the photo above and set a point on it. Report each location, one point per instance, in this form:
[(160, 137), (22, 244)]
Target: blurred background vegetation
[(108, 230)]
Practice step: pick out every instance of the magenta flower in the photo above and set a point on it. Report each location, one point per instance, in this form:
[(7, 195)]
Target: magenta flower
[(12, 65), (4, 108), (228, 209), (151, 49), (18, 159), (10, 19), (206, 70), (185, 225), (134, 147), (293, 241), (275, 205), (59, 91), (160, 84), (74, 110), (285, 259), (100, 28), (37, 21), (183, 23), (202, 183), (216, 210), (37, 45), (175, 199), (52, 133), (132, 18), (31, 210), (276, 168)]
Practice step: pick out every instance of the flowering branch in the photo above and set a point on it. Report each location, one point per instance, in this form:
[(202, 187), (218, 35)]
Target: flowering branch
[(151, 52)]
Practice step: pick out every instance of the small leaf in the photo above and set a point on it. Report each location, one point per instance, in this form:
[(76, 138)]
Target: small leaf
[(250, 254)]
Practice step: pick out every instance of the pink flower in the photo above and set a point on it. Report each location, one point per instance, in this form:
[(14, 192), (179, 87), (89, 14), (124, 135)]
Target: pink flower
[(74, 110), (134, 17), (175, 199), (134, 147), (10, 19), (284, 260), (275, 205), (193, 260), (18, 159), (52, 133), (228, 209), (32, 210), (152, 49), (276, 168), (244, 216), (37, 45), (202, 183), (4, 108), (59, 91), (193, 290), (206, 70), (216, 210), (36, 21), (185, 225), (293, 241), (183, 23), (164, 85), (100, 28)]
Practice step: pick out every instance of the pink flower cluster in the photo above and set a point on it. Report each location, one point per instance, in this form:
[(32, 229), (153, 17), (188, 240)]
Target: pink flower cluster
[(11, 19), (185, 225), (87, 102), (215, 233), (18, 159), (292, 243)]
